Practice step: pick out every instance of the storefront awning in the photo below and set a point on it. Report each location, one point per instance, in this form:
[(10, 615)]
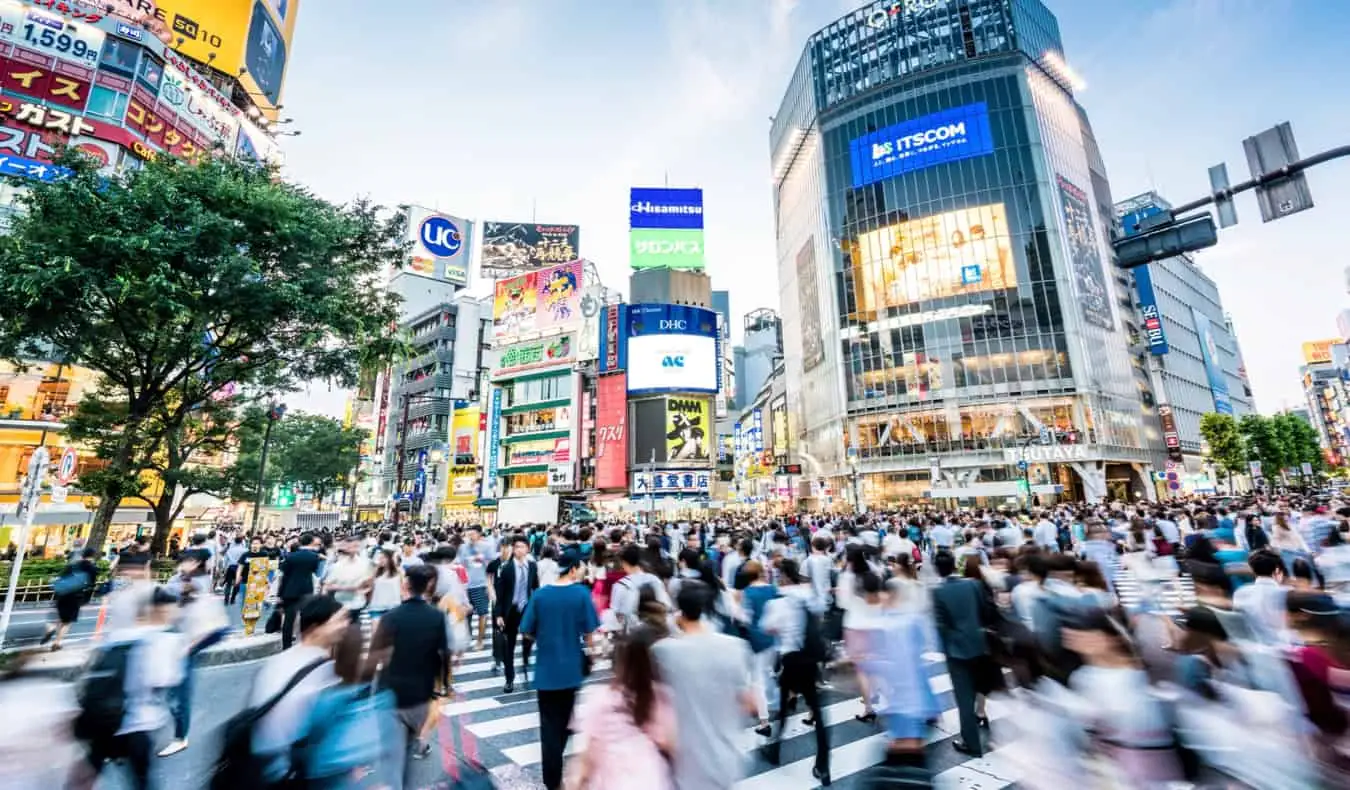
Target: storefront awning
[(47, 515)]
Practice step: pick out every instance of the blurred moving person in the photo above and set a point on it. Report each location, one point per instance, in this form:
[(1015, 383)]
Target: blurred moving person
[(72, 589)]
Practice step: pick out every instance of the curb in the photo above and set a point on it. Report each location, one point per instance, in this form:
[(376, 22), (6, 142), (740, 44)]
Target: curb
[(68, 666)]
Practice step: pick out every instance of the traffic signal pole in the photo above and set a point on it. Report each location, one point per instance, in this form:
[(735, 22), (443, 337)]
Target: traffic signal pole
[(1292, 169)]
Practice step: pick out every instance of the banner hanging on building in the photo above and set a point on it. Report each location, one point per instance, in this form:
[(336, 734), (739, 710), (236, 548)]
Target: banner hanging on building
[(1209, 354), (611, 432), (687, 429), (1085, 259)]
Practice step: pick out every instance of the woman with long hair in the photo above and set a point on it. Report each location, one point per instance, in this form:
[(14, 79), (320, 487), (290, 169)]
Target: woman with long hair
[(629, 724), (386, 586)]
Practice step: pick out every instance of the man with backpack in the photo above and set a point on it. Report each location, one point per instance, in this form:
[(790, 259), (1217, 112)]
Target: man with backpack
[(121, 695), (627, 593), (795, 620)]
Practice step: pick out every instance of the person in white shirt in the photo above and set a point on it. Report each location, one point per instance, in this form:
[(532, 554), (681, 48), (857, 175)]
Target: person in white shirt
[(1262, 602), (733, 561), (942, 535), (627, 593), (322, 623), (1046, 534), (347, 578), (785, 618)]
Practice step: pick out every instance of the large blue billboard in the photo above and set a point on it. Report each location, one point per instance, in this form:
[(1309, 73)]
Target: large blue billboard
[(1209, 353), (1148, 309), (673, 348), (663, 208), (946, 136)]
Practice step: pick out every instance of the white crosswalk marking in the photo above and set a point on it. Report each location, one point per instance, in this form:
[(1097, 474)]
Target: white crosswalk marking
[(506, 729)]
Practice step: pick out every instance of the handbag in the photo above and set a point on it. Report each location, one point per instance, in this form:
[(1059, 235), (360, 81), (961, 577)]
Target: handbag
[(70, 584), (273, 625)]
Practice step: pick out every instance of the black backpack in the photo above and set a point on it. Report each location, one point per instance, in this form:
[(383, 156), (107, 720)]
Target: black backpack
[(102, 694), (1257, 539), (237, 767), (814, 646)]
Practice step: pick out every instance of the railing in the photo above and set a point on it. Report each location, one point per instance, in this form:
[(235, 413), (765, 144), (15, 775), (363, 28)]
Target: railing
[(34, 592)]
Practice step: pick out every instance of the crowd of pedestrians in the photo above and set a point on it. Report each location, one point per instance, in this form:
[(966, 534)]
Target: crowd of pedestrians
[(1138, 644)]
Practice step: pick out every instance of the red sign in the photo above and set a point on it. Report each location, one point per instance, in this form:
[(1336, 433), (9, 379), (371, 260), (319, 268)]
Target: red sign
[(65, 84), (612, 339), (611, 431)]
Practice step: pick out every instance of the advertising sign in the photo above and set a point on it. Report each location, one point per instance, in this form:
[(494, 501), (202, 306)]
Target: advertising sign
[(543, 300), (1169, 428), (535, 354), (494, 432), (614, 338), (611, 431), (514, 304), (440, 245), (588, 339), (1318, 352), (687, 427), (20, 167), (808, 298), (1209, 354), (524, 246), (50, 33), (936, 257), (947, 136), (1148, 309), (756, 438), (249, 38), (648, 428), (663, 207), (538, 451), (672, 347), (1085, 258), (671, 482), (666, 249)]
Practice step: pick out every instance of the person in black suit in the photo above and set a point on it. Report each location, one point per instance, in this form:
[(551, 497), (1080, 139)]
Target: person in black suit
[(959, 608), (298, 570), (412, 646), (512, 587)]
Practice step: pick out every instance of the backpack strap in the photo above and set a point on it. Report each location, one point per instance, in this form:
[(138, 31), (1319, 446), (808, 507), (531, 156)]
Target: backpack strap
[(266, 707)]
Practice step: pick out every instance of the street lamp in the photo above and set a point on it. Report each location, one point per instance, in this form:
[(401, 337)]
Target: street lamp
[(274, 413), (853, 461)]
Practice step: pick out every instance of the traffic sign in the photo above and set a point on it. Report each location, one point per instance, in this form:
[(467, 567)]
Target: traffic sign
[(59, 494), (1022, 465), (65, 473)]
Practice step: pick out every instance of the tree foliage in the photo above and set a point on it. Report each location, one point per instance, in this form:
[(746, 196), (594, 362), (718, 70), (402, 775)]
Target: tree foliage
[(1227, 449), (313, 452), (184, 285)]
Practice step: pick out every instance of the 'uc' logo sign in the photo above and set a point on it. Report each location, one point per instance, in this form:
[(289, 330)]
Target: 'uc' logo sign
[(440, 236), (673, 362)]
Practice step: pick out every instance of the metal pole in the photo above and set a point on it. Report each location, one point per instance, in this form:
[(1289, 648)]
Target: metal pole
[(262, 473), (1275, 175), (28, 502), (398, 475)]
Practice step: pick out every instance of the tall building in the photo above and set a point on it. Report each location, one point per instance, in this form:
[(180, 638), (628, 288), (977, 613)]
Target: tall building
[(943, 224), (1185, 340), (762, 341), (1325, 372)]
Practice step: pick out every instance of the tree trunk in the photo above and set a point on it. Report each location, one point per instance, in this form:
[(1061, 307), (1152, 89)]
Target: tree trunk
[(112, 493), (163, 510)]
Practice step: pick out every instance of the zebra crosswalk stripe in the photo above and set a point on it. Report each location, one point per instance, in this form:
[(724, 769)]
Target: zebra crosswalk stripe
[(505, 728)]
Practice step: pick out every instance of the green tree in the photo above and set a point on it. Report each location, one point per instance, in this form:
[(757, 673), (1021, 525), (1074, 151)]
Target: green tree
[(1227, 449), (182, 284), (316, 453), (1265, 444), (1301, 440)]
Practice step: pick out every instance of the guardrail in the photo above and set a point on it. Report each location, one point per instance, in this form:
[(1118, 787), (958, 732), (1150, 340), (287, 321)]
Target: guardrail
[(35, 592)]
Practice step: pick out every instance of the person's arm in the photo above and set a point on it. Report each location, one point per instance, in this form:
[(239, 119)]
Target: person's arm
[(528, 623)]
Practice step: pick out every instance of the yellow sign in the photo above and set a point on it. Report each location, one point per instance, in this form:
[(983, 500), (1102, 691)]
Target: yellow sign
[(248, 39), (687, 429), (943, 255), (1318, 352), (258, 579)]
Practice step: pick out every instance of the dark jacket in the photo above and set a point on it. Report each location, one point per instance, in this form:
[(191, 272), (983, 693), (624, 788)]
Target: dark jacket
[(504, 583), (414, 633), (297, 570), (958, 608)]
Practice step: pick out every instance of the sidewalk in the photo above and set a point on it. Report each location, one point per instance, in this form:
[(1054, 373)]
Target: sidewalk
[(66, 664)]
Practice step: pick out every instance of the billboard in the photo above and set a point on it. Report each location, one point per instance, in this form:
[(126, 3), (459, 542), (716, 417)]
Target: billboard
[(1148, 310), (672, 481), (611, 432), (524, 246), (440, 245), (494, 439), (588, 338), (944, 255), (1085, 259), (534, 354), (663, 207), (247, 38), (1318, 352), (649, 431), (946, 136), (1209, 354), (613, 338), (538, 301), (672, 348), (808, 298), (688, 429), (665, 249)]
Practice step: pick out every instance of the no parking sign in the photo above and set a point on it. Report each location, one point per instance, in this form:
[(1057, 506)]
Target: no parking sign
[(65, 473)]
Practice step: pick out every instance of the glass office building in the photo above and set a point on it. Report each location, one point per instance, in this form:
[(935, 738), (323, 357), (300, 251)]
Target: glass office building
[(950, 308)]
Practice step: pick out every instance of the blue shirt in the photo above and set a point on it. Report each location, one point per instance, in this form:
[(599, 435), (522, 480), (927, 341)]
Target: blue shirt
[(559, 617)]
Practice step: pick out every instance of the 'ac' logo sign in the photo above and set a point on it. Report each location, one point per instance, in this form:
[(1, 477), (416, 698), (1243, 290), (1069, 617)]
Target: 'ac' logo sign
[(673, 361), (440, 236)]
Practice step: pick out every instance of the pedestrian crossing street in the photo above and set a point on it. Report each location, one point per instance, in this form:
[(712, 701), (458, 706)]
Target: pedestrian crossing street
[(502, 732)]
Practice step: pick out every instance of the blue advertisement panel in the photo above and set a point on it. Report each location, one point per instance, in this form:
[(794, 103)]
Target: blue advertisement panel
[(665, 208), (947, 136), (1148, 309), (494, 426), (613, 354), (1209, 352), (672, 348)]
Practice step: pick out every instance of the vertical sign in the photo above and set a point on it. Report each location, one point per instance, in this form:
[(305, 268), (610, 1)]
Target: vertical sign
[(1170, 436), (613, 339), (493, 445), (1209, 354), (1148, 310), (611, 432)]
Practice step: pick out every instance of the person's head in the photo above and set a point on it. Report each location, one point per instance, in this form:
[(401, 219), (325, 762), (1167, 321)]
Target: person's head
[(746, 547), (790, 571), (692, 602), (1089, 576), (322, 621), (1266, 565), (308, 540), (1301, 575), (974, 567), (88, 553), (569, 566), (902, 566), (752, 571), (636, 672), (418, 580), (631, 557), (349, 661), (520, 547), (386, 563), (690, 560), (159, 607), (944, 562), (1100, 639)]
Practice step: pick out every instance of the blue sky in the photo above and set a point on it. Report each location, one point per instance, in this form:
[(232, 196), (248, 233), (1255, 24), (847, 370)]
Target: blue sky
[(551, 109)]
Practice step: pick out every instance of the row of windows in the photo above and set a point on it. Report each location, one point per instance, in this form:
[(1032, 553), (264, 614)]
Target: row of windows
[(517, 393)]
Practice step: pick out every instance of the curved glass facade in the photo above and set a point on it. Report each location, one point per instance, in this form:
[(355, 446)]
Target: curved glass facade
[(943, 255)]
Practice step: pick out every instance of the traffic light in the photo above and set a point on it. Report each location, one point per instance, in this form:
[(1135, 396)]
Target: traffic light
[(1167, 241)]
